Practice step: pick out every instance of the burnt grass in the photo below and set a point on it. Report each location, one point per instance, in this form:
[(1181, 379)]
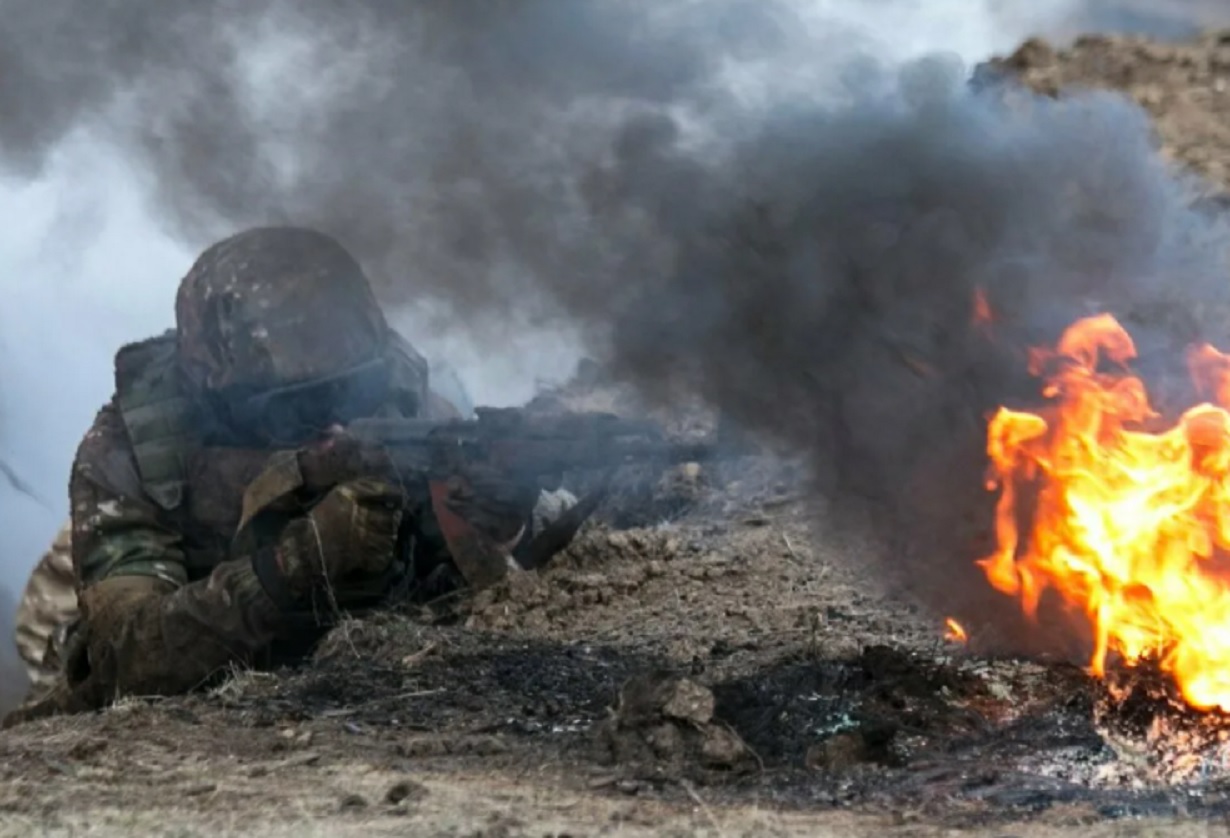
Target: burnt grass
[(884, 729), (921, 744)]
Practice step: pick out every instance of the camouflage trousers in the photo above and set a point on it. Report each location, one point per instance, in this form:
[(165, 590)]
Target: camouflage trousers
[(47, 610)]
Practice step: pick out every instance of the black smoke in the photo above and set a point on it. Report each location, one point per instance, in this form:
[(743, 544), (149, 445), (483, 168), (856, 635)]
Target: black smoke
[(725, 201)]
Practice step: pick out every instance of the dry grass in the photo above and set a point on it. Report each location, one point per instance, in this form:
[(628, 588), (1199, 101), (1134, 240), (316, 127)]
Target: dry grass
[(488, 806)]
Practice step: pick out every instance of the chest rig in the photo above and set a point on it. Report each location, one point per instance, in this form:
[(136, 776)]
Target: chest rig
[(199, 487)]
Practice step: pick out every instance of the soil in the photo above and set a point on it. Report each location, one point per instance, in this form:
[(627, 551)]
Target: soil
[(707, 658), (716, 673), (1185, 87)]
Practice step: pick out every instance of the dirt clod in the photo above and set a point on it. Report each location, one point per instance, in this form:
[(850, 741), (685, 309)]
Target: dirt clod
[(663, 728), (405, 791), (689, 702), (352, 802), (837, 753)]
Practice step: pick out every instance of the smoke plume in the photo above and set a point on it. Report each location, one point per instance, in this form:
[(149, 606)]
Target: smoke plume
[(763, 202)]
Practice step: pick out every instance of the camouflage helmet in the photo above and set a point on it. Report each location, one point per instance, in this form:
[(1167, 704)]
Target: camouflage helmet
[(274, 306)]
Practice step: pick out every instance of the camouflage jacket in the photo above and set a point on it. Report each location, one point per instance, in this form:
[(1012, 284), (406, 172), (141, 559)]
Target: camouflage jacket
[(149, 497)]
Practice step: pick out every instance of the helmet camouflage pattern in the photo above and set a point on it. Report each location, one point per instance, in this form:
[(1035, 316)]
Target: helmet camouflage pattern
[(274, 306)]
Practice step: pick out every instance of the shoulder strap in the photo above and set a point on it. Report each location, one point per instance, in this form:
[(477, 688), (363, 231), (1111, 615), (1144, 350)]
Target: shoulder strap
[(157, 415)]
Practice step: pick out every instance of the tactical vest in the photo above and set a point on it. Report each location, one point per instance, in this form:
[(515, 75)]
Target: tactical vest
[(180, 470), (164, 428), (160, 418)]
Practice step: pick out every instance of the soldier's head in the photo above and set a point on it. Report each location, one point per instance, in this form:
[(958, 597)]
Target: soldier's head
[(280, 334)]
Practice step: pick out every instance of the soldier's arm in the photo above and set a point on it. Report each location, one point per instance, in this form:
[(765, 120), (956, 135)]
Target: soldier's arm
[(117, 529), (155, 632), (160, 633)]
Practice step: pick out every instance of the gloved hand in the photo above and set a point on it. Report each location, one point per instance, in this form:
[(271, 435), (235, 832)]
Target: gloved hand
[(331, 461), (97, 655), (352, 530), (104, 652), (481, 516), (496, 506)]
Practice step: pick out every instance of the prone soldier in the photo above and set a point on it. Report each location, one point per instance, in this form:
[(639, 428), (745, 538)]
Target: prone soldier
[(211, 520), (48, 605)]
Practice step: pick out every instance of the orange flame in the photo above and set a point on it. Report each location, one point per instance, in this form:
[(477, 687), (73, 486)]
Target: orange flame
[(983, 315), (954, 632), (1130, 527)]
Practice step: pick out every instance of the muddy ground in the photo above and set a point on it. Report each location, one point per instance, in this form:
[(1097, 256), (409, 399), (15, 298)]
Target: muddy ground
[(712, 660)]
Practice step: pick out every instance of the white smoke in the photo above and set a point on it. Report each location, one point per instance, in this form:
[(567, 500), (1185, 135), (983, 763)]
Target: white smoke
[(85, 269), (87, 266)]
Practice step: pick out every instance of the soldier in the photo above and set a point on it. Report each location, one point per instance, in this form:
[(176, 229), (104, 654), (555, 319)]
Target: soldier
[(211, 524), (48, 605)]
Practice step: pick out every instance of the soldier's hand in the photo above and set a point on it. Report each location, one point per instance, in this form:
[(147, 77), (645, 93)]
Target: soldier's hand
[(331, 461), (491, 502), (78, 689), (352, 531), (103, 650)]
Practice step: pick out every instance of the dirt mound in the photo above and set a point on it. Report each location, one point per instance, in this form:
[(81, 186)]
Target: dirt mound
[(1184, 86)]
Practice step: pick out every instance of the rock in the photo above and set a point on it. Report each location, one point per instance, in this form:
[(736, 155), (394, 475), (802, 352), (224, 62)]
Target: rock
[(628, 787), (667, 742), (837, 754), (723, 749), (352, 802), (665, 727), (405, 791), (642, 698), (844, 751), (690, 702)]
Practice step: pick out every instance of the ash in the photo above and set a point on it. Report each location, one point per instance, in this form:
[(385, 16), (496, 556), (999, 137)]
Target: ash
[(938, 732), (1157, 738)]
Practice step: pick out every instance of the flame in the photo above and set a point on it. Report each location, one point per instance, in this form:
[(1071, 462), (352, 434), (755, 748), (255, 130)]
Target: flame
[(983, 315), (1130, 527), (954, 632)]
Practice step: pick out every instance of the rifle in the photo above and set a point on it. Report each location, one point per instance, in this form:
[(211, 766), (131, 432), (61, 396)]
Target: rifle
[(525, 448)]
